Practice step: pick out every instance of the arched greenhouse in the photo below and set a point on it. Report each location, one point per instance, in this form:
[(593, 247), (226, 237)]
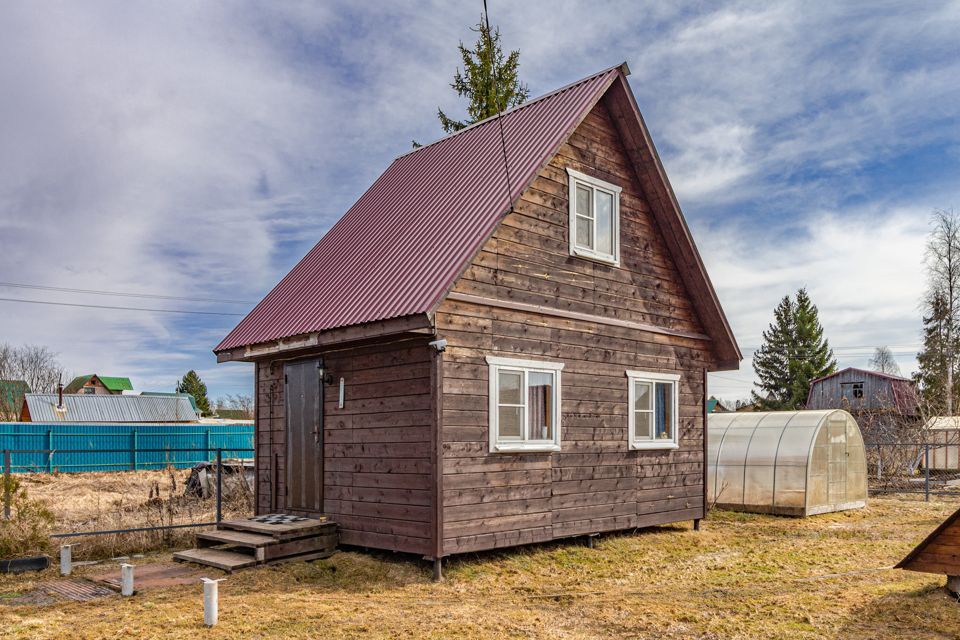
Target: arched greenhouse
[(796, 463)]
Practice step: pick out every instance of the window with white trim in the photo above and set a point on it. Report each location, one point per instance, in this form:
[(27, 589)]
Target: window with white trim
[(594, 218), (654, 410), (524, 405)]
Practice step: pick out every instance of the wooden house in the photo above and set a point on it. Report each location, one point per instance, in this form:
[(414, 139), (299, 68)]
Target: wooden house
[(474, 358), (98, 385), (883, 404)]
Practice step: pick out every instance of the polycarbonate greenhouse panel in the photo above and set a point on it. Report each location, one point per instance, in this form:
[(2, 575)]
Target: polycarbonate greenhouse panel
[(788, 462)]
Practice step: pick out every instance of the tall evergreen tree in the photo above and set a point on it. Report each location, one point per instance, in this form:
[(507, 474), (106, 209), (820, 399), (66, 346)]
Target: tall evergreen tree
[(192, 384), (813, 357), (794, 352), (489, 79), (932, 376), (772, 360)]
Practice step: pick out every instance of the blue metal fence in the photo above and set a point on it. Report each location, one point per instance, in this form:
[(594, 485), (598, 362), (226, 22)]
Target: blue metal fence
[(118, 447)]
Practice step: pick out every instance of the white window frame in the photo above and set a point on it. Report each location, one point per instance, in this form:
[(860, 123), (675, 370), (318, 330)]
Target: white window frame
[(646, 376), (496, 365), (573, 178)]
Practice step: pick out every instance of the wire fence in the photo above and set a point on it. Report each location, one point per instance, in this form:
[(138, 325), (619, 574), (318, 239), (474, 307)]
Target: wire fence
[(914, 468), (168, 489)]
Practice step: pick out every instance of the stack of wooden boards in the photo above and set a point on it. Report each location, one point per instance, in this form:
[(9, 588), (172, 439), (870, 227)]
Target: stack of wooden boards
[(237, 544)]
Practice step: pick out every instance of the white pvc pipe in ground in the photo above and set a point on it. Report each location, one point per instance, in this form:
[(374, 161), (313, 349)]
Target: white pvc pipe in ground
[(66, 559), (126, 579), (211, 601)]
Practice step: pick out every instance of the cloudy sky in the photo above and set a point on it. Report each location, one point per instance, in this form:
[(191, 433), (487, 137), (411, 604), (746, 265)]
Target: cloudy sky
[(192, 152)]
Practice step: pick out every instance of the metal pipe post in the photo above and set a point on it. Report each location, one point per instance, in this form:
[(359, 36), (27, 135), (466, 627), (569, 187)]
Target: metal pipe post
[(219, 485), (7, 485), (66, 559), (211, 601), (126, 579), (926, 471), (437, 569)]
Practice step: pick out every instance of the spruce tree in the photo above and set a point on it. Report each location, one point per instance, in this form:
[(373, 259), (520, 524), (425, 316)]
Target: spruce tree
[(772, 360), (192, 384), (794, 352), (812, 357), (488, 80)]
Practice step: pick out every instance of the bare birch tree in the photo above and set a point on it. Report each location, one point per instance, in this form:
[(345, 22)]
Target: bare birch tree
[(943, 287), (884, 362), (36, 365)]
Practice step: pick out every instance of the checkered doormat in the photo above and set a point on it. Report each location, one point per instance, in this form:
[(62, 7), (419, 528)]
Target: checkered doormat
[(278, 518)]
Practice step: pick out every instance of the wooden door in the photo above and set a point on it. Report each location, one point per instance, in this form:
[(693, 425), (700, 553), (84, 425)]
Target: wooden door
[(303, 385)]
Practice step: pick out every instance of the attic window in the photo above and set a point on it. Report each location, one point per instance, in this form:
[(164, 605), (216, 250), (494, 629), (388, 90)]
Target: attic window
[(594, 218)]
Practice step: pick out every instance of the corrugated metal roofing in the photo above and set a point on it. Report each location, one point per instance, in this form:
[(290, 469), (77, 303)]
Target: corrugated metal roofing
[(400, 246), (89, 407)]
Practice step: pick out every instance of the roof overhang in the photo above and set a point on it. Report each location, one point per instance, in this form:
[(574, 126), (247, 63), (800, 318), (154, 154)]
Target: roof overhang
[(420, 324)]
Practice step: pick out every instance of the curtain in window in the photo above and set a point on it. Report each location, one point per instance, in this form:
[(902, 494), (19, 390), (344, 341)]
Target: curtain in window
[(539, 411), (663, 410)]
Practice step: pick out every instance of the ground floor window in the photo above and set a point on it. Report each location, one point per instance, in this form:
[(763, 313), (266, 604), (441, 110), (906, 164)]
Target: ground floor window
[(653, 410), (524, 405)]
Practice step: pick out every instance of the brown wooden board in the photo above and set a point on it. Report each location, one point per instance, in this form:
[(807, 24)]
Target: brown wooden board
[(939, 552)]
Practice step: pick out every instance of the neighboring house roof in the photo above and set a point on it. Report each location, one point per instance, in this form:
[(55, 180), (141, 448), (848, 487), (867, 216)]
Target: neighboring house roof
[(173, 394), (399, 249), (112, 383), (715, 406), (90, 407), (866, 372)]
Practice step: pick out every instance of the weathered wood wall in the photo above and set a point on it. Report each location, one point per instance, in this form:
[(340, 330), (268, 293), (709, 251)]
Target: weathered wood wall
[(377, 448), (878, 393), (595, 483)]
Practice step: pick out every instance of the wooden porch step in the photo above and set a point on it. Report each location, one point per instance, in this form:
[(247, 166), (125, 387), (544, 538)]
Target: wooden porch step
[(225, 560), (235, 538), (287, 531)]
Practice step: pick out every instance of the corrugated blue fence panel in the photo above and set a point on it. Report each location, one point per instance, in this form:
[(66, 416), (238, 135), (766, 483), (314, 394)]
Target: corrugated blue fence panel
[(120, 447)]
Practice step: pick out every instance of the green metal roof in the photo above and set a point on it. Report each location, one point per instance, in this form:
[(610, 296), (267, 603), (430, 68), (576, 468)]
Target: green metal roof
[(112, 383)]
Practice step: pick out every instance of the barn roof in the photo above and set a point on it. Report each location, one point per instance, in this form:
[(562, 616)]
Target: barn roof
[(402, 245), (90, 407), (866, 372)]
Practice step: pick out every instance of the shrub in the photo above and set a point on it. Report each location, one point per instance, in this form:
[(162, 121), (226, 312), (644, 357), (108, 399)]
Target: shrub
[(27, 532)]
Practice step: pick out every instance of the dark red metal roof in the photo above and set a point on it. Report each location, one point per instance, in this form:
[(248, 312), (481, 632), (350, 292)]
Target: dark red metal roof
[(402, 244)]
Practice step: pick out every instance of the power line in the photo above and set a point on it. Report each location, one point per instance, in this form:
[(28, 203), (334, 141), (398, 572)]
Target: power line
[(103, 306), (503, 141), (125, 294)]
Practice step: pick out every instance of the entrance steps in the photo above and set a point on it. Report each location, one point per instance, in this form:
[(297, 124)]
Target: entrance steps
[(269, 539)]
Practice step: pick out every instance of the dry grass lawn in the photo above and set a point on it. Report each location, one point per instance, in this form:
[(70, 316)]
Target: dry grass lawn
[(742, 576), (125, 500)]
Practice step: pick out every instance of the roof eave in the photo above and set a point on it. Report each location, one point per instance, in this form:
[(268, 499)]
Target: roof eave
[(295, 345)]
